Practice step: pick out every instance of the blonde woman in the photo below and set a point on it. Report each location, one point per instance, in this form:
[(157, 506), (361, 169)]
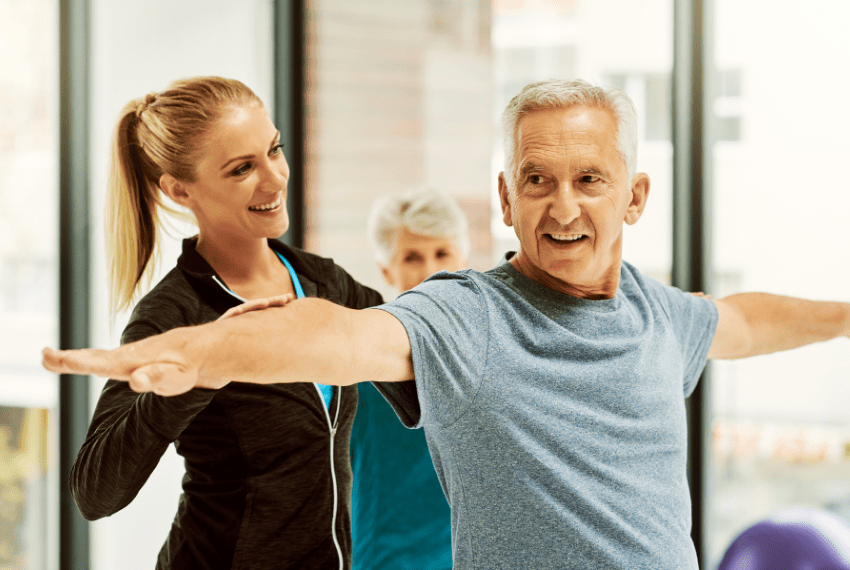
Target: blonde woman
[(268, 477)]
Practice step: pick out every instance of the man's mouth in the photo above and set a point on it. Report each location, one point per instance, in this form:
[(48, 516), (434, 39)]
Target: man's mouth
[(565, 238)]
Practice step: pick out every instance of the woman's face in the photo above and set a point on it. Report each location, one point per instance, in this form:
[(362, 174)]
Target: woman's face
[(240, 189), (417, 257)]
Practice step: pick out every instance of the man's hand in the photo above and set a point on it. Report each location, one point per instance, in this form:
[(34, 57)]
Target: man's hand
[(156, 364)]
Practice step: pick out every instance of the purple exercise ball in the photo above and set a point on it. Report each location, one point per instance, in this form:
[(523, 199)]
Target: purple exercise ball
[(803, 539)]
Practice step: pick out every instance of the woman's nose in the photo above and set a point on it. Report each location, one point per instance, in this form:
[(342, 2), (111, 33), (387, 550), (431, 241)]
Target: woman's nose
[(275, 178)]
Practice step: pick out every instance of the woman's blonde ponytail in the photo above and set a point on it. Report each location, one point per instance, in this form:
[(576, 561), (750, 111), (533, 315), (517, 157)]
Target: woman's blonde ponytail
[(131, 213), (157, 134)]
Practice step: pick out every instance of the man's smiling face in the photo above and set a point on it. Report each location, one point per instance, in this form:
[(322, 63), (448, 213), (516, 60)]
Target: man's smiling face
[(567, 198)]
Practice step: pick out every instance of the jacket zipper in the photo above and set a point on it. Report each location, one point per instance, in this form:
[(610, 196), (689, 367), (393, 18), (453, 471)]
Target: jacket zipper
[(332, 428)]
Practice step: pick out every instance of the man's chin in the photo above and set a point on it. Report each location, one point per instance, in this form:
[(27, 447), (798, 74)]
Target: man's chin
[(557, 273)]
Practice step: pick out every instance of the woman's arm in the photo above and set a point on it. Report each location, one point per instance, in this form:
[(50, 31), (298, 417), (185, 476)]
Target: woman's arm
[(127, 437)]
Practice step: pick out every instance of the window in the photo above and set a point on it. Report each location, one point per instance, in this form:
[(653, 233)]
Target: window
[(398, 95), (780, 425), (28, 284), (534, 41)]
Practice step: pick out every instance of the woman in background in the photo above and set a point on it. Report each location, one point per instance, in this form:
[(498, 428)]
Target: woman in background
[(401, 519), (268, 478)]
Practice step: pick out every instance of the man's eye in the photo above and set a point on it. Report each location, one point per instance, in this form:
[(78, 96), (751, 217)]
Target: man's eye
[(535, 179), (589, 179)]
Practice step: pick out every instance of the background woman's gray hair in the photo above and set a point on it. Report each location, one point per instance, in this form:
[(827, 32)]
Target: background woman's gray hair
[(424, 211), (559, 94)]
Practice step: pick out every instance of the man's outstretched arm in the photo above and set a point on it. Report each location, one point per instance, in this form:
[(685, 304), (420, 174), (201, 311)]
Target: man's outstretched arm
[(309, 340), (750, 324)]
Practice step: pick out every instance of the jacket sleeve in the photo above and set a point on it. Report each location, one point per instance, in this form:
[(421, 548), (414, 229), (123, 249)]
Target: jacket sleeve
[(355, 295), (128, 434)]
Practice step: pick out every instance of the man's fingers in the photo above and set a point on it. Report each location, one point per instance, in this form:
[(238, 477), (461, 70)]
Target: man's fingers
[(84, 362)]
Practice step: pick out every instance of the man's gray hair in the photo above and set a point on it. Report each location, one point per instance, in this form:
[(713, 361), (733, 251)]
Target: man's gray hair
[(561, 94), (423, 211)]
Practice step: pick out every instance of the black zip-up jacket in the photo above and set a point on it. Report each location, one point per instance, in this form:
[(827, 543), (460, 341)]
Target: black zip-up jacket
[(260, 490)]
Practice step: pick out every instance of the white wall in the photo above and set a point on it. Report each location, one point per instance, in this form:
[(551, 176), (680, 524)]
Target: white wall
[(139, 47)]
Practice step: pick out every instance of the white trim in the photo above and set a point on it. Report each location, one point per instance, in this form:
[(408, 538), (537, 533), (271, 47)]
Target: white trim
[(223, 286), (333, 469)]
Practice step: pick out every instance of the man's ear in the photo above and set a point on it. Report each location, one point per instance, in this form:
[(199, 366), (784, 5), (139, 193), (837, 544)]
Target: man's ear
[(504, 200), (640, 194), (174, 189)]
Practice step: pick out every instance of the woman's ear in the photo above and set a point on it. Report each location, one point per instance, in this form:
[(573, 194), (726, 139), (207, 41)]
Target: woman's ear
[(388, 276), (174, 189)]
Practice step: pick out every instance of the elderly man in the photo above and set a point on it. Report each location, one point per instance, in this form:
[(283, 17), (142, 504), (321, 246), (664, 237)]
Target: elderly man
[(551, 388)]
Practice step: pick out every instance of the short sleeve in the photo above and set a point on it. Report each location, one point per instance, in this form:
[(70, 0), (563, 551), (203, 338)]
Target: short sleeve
[(694, 322), (446, 321)]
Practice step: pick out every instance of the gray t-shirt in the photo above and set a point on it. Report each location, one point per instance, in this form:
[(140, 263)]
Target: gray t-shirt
[(557, 424)]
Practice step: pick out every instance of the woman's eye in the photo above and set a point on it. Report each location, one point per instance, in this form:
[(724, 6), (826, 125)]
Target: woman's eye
[(276, 149), (442, 254), (412, 258), (242, 169)]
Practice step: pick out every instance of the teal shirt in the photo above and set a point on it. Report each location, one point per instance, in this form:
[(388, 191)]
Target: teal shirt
[(400, 517)]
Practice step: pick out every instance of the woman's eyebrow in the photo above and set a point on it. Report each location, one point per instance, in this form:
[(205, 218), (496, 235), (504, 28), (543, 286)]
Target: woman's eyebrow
[(247, 156)]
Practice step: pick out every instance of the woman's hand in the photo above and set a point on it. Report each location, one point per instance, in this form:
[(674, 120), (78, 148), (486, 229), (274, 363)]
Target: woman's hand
[(257, 305)]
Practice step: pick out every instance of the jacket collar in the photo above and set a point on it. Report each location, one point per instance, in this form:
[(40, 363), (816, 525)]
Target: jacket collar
[(312, 271)]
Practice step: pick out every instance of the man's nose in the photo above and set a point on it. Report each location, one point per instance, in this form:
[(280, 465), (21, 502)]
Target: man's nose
[(565, 206)]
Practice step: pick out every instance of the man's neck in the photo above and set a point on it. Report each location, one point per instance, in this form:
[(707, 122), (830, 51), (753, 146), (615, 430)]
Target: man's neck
[(603, 288)]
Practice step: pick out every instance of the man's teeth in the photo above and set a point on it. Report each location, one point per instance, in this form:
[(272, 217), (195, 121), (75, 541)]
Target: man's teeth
[(263, 207), (563, 237)]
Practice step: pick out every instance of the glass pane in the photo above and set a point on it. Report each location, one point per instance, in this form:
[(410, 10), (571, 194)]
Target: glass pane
[(535, 40), (24, 520), (781, 429), (399, 95), (28, 283)]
